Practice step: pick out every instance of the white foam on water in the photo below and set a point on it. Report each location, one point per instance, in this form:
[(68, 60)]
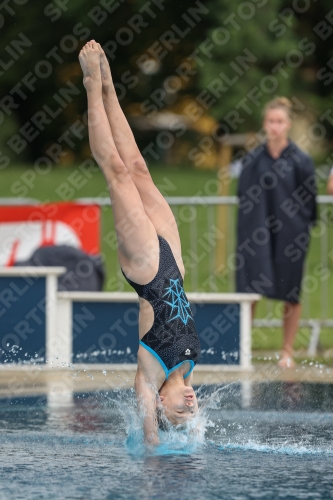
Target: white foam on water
[(287, 449)]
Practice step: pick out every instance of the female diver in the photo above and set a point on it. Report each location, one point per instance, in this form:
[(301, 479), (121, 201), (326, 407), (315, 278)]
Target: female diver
[(149, 253)]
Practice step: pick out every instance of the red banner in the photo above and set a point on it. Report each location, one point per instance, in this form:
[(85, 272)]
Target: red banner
[(24, 228)]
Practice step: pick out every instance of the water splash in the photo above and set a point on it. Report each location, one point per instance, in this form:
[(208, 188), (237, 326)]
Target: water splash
[(174, 440), (221, 421)]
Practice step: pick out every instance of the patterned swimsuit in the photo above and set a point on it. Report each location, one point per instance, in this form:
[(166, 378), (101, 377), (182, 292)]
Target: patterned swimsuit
[(172, 339)]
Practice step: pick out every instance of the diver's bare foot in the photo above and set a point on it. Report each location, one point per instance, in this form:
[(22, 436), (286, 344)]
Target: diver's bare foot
[(286, 362), (89, 60), (107, 82)]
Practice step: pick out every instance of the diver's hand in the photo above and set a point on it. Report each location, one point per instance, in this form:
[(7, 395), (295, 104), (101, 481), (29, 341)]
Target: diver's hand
[(152, 441)]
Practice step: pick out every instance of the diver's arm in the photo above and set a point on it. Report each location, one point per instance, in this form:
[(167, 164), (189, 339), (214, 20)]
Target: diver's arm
[(146, 396), (188, 381)]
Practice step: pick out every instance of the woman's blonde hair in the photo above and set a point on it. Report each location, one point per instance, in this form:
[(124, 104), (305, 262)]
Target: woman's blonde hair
[(279, 103)]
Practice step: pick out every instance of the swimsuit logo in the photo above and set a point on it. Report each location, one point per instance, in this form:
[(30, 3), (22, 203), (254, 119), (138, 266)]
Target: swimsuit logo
[(187, 352), (180, 306)]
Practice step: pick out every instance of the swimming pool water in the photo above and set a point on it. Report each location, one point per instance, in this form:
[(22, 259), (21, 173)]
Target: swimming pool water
[(266, 440)]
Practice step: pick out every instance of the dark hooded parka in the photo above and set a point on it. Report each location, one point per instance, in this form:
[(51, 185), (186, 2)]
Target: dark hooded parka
[(277, 206)]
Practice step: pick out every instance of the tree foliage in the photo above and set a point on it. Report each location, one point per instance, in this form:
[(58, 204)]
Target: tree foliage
[(229, 48)]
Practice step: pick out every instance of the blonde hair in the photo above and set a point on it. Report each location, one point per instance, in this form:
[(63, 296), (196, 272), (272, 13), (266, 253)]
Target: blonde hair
[(280, 103)]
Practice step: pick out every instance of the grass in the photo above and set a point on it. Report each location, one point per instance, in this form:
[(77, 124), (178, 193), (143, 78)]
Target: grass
[(23, 181), (198, 244), (270, 339)]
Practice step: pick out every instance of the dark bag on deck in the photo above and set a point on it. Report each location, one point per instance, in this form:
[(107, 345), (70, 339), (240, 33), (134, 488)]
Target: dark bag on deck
[(84, 272)]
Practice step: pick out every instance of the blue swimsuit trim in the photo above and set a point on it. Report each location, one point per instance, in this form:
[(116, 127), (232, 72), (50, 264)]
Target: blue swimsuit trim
[(166, 371)]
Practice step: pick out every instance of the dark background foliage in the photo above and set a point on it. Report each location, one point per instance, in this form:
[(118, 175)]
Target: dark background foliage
[(297, 35)]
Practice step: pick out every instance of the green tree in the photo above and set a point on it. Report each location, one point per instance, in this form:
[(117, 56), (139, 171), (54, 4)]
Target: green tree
[(55, 33), (248, 60), (291, 44)]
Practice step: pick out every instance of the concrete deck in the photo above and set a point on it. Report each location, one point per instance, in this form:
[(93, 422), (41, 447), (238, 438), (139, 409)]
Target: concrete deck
[(37, 380)]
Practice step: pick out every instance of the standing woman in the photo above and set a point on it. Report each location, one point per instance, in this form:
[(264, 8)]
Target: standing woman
[(149, 253), (277, 206)]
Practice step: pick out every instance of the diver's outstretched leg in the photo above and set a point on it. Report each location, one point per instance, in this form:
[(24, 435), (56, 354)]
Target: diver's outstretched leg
[(138, 247), (155, 205), (291, 317)]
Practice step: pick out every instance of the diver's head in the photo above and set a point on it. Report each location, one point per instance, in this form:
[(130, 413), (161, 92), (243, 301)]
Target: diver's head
[(179, 402), (277, 119)]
